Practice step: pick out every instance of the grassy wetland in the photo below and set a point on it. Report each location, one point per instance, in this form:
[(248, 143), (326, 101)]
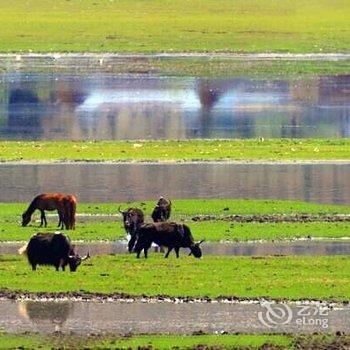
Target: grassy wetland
[(294, 277), (209, 27), (157, 26), (176, 151), (212, 220)]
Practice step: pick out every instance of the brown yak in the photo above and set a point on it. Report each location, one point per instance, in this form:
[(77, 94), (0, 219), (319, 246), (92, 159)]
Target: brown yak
[(133, 218), (162, 210)]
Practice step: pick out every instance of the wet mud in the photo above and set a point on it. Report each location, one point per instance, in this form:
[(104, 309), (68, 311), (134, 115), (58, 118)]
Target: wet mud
[(275, 218)]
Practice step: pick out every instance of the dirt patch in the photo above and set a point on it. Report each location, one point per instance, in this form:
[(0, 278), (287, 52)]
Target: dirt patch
[(320, 342), (275, 218)]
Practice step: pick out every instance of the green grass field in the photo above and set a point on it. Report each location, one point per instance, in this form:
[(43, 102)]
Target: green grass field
[(32, 341), (212, 231), (170, 151), (158, 25), (160, 342), (211, 342), (292, 278)]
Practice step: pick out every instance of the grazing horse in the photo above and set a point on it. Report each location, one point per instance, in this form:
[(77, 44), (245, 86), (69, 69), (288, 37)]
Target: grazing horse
[(70, 206), (51, 201)]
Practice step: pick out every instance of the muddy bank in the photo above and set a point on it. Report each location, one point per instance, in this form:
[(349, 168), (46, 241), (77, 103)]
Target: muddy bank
[(316, 343), (275, 218), (273, 55), (139, 317), (279, 248), (18, 295)]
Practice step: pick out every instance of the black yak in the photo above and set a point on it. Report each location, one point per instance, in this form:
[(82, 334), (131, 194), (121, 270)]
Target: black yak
[(167, 234), (162, 210), (133, 218), (52, 249)]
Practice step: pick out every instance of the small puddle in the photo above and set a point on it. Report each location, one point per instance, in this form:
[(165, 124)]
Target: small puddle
[(175, 318), (307, 247)]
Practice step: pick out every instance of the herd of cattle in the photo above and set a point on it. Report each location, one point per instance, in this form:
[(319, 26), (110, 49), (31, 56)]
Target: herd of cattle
[(56, 248)]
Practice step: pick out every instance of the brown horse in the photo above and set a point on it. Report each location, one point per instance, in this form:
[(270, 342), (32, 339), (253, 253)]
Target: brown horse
[(70, 206), (52, 201)]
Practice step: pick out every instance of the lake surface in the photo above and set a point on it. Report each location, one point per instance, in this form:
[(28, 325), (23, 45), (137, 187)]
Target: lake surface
[(323, 183), (174, 318), (99, 105)]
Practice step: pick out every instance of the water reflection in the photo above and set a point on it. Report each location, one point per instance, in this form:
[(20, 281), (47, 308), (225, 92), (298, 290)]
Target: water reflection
[(46, 314), (23, 116), (181, 318), (103, 106), (324, 183)]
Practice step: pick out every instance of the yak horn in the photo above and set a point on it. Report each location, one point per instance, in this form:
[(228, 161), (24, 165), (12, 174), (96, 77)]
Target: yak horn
[(120, 210), (169, 201), (87, 256), (71, 256), (200, 242)]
